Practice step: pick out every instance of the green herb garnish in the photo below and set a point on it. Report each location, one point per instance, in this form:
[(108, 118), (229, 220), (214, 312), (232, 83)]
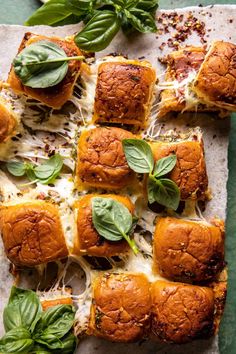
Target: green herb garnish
[(45, 173), (30, 330), (42, 64), (140, 159), (102, 19), (112, 220)]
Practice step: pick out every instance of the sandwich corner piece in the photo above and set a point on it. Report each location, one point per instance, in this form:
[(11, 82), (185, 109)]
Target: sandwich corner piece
[(200, 80)]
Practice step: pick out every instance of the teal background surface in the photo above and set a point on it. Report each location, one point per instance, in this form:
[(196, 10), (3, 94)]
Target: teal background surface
[(17, 11)]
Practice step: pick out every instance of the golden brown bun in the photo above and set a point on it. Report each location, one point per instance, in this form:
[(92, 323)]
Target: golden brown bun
[(188, 251), (101, 159), (190, 171), (32, 233), (215, 82), (181, 312), (57, 95), (60, 301), (123, 93), (179, 64), (120, 311), (88, 240), (8, 122), (220, 291)]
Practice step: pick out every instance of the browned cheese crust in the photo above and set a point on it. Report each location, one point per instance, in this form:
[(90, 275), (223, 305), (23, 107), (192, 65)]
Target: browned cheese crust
[(190, 173), (32, 233), (8, 122), (123, 93), (216, 79), (181, 312), (101, 159), (188, 251), (57, 95), (88, 240), (179, 64), (120, 311)]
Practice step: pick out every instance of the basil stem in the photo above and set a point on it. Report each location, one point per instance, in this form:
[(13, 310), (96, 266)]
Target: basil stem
[(55, 60)]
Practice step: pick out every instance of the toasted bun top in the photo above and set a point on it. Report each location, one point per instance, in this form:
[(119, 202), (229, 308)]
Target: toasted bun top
[(121, 307), (215, 82), (32, 233), (187, 250), (182, 312)]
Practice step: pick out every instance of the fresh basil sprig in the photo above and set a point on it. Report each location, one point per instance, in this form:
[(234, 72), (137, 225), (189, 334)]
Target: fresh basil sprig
[(103, 19), (30, 330), (140, 159), (42, 64), (112, 220), (45, 173)]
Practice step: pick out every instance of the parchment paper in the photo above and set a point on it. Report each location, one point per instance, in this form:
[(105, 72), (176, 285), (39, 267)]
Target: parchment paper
[(215, 134)]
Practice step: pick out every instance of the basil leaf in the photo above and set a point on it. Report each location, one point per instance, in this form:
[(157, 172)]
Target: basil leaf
[(33, 69), (68, 345), (131, 3), (98, 32), (49, 170), (17, 340), (164, 166), (16, 168), (51, 13), (163, 191), (111, 219), (141, 20), (23, 309), (81, 7), (138, 155), (55, 323), (147, 5)]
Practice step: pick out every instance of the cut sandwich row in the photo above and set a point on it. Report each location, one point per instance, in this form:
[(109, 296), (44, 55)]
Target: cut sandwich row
[(126, 308), (184, 250), (124, 89)]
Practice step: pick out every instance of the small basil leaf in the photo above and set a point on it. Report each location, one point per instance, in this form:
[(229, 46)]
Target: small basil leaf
[(17, 340), (141, 20), (50, 169), (138, 155), (98, 32), (55, 323), (111, 219), (16, 168), (147, 5), (23, 309), (164, 166), (51, 13), (163, 191)]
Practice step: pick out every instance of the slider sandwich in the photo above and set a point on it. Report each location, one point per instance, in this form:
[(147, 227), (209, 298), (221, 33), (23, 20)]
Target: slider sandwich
[(200, 80), (54, 95), (32, 233), (88, 241), (191, 251), (101, 159), (189, 173), (124, 92)]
